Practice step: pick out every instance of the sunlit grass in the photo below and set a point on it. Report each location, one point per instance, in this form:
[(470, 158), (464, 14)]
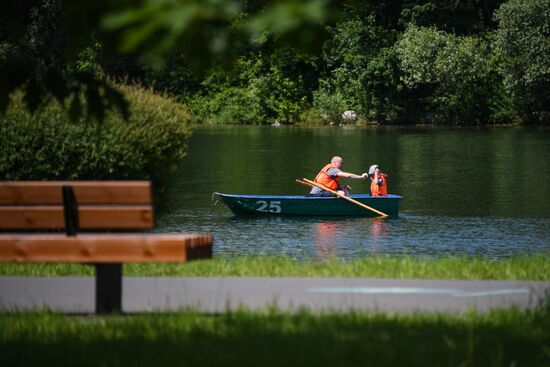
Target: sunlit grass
[(274, 338), (534, 267)]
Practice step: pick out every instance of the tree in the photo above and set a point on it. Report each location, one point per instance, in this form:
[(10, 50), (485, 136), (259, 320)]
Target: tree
[(41, 42), (523, 41), (360, 71), (202, 31), (453, 69)]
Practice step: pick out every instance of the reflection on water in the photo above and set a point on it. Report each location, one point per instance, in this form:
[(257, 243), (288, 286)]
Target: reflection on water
[(349, 238), (379, 229), (330, 234), (326, 239), (444, 212)]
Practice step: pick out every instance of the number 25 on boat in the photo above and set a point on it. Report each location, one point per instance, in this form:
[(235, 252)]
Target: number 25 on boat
[(273, 206)]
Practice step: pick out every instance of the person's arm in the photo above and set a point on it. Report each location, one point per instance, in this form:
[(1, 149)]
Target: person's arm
[(353, 175)]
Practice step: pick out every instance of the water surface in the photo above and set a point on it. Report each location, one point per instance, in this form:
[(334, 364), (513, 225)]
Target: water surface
[(467, 191)]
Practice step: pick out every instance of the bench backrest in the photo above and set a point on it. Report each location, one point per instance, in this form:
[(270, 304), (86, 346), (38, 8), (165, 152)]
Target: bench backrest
[(100, 204)]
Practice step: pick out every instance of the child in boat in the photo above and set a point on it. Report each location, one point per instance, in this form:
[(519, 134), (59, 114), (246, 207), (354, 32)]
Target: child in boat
[(379, 184)]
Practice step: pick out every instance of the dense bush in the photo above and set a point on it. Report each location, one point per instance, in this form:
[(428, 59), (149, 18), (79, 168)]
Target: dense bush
[(260, 89), (364, 75), (456, 77), (227, 96), (360, 73), (330, 102), (47, 145), (523, 41)]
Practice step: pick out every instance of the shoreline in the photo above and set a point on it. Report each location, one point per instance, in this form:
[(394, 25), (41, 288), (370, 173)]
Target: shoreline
[(521, 125)]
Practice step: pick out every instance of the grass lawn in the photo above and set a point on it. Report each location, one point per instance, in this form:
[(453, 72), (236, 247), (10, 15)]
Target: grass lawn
[(534, 267), (272, 338)]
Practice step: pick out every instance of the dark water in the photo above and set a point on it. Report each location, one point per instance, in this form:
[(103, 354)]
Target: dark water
[(483, 192)]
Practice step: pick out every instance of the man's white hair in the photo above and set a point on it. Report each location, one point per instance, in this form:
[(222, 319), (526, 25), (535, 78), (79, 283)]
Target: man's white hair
[(336, 159)]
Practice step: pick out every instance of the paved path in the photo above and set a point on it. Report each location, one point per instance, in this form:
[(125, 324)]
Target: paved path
[(218, 294)]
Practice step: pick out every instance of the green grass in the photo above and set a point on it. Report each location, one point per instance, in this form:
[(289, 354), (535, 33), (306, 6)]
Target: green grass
[(273, 338), (534, 267), (509, 337)]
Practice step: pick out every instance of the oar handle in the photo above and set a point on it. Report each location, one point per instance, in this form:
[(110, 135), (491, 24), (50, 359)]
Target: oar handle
[(323, 187), (304, 183)]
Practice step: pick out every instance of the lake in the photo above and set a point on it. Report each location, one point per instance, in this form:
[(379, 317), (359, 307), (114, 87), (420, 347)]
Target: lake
[(467, 191)]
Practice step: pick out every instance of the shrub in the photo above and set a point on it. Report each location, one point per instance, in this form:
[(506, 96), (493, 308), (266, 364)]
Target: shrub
[(453, 70), (363, 72), (47, 145), (228, 106), (523, 41), (260, 89), (329, 102)]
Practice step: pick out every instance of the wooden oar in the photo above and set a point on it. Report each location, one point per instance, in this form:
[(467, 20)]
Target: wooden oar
[(322, 187)]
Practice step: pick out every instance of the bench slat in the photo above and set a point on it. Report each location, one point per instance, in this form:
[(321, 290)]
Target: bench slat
[(86, 192), (104, 248), (90, 217)]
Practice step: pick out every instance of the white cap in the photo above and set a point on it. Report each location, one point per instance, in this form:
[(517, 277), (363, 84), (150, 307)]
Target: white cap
[(372, 169)]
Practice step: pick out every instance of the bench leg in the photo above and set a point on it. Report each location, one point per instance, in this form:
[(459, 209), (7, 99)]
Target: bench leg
[(108, 288)]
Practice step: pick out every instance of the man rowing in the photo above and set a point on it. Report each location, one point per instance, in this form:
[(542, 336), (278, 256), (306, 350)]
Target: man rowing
[(330, 175)]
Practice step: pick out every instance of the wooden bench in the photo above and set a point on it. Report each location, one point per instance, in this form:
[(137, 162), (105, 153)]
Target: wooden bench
[(90, 206)]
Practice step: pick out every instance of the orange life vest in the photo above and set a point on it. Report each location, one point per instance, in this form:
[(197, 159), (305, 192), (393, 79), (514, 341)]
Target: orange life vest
[(324, 178), (379, 189)]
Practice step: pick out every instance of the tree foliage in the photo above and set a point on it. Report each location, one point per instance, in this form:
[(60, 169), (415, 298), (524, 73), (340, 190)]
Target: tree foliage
[(361, 73), (523, 41), (41, 43), (201, 31), (262, 88), (239, 61), (454, 68)]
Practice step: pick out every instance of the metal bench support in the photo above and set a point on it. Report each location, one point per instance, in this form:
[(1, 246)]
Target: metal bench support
[(108, 288), (71, 210)]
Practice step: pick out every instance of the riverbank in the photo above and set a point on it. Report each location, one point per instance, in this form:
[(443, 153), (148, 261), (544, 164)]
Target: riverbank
[(532, 267), (273, 338)]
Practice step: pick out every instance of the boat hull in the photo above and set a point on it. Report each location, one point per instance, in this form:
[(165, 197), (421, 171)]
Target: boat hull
[(309, 205)]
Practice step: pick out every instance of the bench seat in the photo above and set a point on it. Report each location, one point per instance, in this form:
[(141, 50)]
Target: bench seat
[(104, 248)]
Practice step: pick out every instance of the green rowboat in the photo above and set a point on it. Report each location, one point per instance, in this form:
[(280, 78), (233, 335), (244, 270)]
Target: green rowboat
[(309, 205)]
